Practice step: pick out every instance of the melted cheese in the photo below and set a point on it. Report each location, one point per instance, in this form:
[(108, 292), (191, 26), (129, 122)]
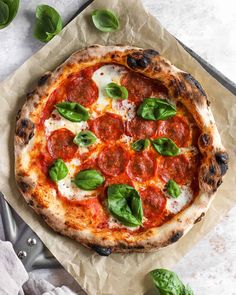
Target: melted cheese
[(57, 122), (68, 189), (175, 205), (103, 76)]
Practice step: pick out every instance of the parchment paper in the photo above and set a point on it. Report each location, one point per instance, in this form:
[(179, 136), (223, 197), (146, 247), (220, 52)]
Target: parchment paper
[(117, 274)]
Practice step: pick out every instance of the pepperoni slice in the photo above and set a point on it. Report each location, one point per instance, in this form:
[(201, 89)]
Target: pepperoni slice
[(154, 203), (81, 89), (176, 129), (108, 127), (113, 160), (140, 87), (141, 167), (176, 168), (60, 144), (140, 128)]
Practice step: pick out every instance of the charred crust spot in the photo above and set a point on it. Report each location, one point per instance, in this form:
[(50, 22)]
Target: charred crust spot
[(212, 170), (24, 186), (44, 79), (199, 218), (151, 53), (222, 160), (176, 236), (102, 251), (30, 203), (138, 60), (178, 86), (194, 82), (43, 216), (25, 130), (219, 182), (205, 140), (18, 115)]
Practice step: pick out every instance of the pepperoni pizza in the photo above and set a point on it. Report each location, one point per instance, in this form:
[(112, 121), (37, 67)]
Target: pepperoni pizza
[(118, 149)]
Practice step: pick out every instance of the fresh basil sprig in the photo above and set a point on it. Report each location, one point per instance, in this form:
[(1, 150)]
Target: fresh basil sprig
[(72, 111), (165, 147), (140, 145), (115, 91), (156, 109), (125, 204), (48, 23), (8, 11), (168, 283), (58, 170), (85, 138), (88, 179), (105, 20), (173, 189)]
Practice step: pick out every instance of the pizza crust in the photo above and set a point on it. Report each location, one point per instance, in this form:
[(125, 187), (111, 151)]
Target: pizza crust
[(182, 88)]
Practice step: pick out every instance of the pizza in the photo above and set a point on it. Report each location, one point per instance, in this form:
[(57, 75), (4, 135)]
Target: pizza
[(118, 149)]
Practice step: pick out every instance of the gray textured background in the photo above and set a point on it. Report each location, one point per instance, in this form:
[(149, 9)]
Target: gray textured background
[(208, 27)]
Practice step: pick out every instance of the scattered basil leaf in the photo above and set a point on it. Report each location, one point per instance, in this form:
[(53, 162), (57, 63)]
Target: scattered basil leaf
[(8, 11), (72, 111), (156, 109), (105, 20), (188, 290), (48, 23), (58, 170), (140, 145), (85, 138), (88, 179), (115, 91), (125, 204), (173, 189), (167, 282), (165, 146)]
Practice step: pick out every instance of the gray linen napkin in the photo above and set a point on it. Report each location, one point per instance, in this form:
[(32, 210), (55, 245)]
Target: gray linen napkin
[(13, 276)]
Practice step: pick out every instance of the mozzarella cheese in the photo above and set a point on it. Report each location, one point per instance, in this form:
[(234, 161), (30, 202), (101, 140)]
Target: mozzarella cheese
[(68, 189), (57, 122), (175, 205)]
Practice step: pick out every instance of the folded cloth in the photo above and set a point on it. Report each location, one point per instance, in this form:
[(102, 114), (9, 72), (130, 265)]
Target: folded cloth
[(14, 276)]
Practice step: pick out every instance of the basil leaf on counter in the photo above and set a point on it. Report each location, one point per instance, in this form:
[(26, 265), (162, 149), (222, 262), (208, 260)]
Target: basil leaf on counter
[(88, 179), (173, 189), (167, 282), (85, 138), (188, 291), (8, 11), (115, 91), (165, 146), (156, 109), (48, 23), (105, 20), (72, 111), (58, 170), (125, 204), (140, 145)]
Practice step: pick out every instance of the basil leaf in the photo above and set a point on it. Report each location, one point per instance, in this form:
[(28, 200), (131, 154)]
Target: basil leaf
[(58, 170), (188, 291), (156, 109), (8, 11), (88, 179), (167, 282), (105, 20), (140, 145), (173, 189), (115, 91), (165, 146), (85, 138), (125, 204), (48, 23), (72, 111)]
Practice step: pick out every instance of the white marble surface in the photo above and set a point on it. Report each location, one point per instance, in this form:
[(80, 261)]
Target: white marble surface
[(208, 27)]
